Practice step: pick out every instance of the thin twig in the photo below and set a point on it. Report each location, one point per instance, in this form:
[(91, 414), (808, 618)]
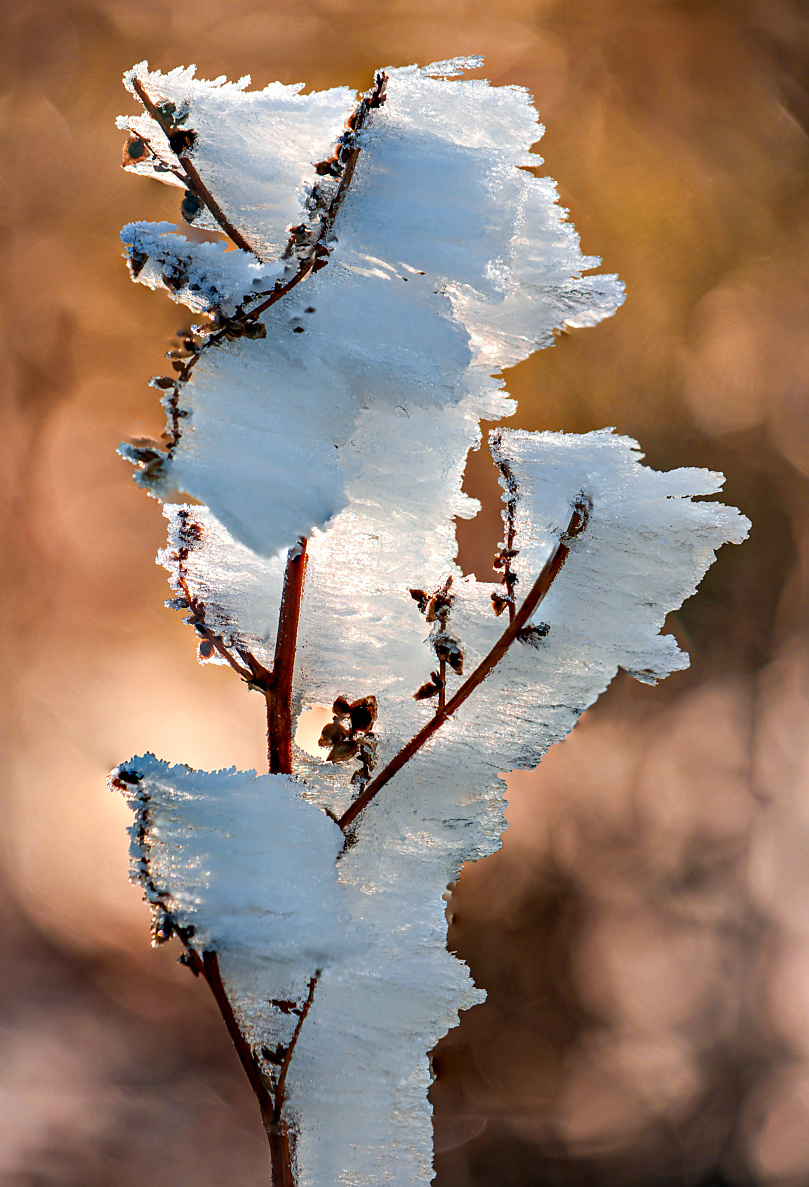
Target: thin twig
[(442, 675), (508, 553), (208, 966), (539, 589), (278, 1135), (313, 259), (279, 690), (164, 926), (195, 182), (254, 671), (280, 1094)]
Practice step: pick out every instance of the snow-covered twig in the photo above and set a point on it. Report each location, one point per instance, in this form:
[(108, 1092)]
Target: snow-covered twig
[(180, 140), (578, 522)]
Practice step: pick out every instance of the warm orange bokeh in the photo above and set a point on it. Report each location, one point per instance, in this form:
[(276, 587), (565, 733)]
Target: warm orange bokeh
[(644, 933)]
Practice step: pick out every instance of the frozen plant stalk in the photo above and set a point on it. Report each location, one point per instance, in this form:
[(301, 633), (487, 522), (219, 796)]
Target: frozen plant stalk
[(389, 258)]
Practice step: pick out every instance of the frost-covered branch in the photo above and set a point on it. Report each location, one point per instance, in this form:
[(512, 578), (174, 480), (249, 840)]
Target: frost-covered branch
[(180, 141), (308, 244), (325, 427), (505, 557), (518, 624)]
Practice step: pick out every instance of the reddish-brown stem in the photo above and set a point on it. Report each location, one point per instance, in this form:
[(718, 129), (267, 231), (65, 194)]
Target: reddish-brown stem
[(279, 691), (442, 675), (538, 591), (278, 1136), (195, 182), (375, 99), (208, 966), (280, 1091)]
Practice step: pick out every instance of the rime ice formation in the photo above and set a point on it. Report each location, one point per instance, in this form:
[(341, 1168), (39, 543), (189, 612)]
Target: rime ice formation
[(202, 276), (646, 546), (199, 847), (447, 263), (256, 150)]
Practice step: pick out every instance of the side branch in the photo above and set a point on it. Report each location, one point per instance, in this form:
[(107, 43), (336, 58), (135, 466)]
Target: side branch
[(279, 689), (208, 967), (505, 557), (278, 1136), (313, 254), (195, 182), (280, 1091), (539, 589), (308, 246)]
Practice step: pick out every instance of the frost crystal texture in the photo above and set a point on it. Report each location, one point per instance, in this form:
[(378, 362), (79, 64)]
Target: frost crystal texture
[(422, 260), (447, 261)]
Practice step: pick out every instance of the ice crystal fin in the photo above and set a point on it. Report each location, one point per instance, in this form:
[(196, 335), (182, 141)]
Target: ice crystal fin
[(241, 866)]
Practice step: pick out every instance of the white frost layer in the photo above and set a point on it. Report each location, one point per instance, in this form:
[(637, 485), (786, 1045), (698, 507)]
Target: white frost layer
[(244, 867), (645, 548), (357, 411), (449, 261), (203, 276), (255, 150), (239, 590)]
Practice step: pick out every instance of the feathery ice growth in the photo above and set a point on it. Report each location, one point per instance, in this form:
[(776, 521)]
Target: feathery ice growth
[(389, 257)]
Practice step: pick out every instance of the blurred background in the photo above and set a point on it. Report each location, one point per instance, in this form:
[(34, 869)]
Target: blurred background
[(644, 933)]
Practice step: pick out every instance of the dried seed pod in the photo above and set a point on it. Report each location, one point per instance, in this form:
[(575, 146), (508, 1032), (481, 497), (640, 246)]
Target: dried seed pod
[(206, 649), (341, 707), (137, 261), (363, 714), (181, 140), (276, 1056), (175, 275), (448, 648), (190, 206), (533, 635), (135, 149), (255, 329), (430, 689), (330, 167), (499, 603), (332, 734), (343, 751), (421, 598)]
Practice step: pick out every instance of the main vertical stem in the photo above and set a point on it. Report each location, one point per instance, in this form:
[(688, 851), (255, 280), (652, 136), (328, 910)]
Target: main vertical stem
[(279, 694)]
